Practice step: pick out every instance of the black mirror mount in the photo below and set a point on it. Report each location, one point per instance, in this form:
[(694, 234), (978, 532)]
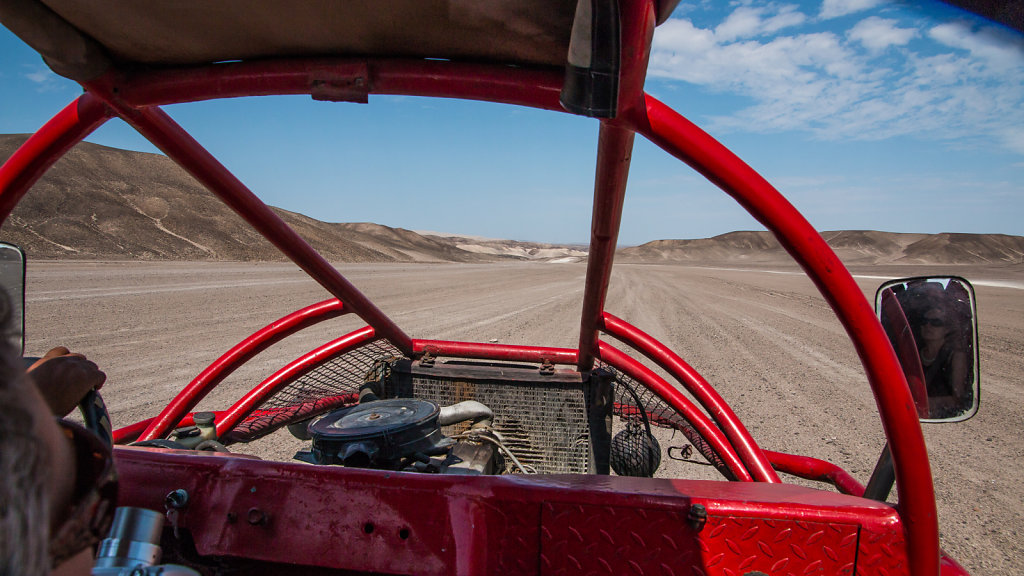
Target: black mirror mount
[(933, 326), (12, 306)]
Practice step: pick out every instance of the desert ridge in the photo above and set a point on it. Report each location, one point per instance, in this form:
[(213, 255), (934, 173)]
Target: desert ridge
[(102, 203)]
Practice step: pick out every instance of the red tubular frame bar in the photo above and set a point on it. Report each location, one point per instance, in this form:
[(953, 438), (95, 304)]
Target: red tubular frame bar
[(174, 141), (741, 440), (33, 158), (815, 469), (502, 352), (131, 432), (680, 403), (614, 152), (258, 395), (245, 350), (684, 140), (537, 88)]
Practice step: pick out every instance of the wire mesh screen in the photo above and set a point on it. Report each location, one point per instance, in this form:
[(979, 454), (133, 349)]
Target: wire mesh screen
[(332, 384), (637, 409), (543, 420)]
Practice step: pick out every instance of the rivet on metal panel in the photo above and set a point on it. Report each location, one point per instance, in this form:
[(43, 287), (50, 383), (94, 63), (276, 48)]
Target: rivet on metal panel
[(697, 517), (257, 517)]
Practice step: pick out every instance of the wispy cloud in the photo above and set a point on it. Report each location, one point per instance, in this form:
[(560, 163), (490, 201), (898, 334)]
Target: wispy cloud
[(39, 77), (994, 47), (878, 79), (836, 8), (751, 21), (44, 80), (879, 33)]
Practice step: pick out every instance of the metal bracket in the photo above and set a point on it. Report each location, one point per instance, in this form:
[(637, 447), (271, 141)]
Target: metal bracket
[(345, 83), (547, 368), (427, 360)]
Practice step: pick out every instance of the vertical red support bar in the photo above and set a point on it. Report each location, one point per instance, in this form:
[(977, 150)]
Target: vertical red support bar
[(686, 141), (746, 448), (680, 404), (67, 128), (220, 369), (614, 152), (173, 140)]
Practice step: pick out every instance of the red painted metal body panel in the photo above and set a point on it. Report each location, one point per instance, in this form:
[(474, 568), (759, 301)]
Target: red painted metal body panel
[(264, 390), (661, 541), (33, 158), (355, 519), (678, 136), (681, 403), (242, 352), (746, 448)]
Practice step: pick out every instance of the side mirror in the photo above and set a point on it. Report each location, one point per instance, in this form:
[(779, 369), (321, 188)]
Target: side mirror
[(12, 301), (933, 326)]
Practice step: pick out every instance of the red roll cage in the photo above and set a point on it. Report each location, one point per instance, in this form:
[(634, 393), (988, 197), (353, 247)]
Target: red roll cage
[(135, 95)]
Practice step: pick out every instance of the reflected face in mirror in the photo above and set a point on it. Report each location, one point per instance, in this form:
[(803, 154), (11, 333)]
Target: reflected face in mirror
[(931, 324)]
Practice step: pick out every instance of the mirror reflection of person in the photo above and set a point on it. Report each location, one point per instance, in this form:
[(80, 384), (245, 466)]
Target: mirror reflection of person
[(944, 362)]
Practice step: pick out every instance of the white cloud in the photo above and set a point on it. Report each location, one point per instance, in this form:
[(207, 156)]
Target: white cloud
[(998, 48), (877, 34), (958, 83), (44, 80), (836, 8), (39, 76), (750, 21)]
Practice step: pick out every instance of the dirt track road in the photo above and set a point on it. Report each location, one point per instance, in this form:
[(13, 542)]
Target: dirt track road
[(766, 340)]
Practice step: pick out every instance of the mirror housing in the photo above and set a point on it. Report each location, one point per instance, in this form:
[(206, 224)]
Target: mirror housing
[(12, 302), (932, 324)]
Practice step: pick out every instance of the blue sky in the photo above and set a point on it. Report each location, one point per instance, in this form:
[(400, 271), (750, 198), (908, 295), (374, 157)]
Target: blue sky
[(866, 114)]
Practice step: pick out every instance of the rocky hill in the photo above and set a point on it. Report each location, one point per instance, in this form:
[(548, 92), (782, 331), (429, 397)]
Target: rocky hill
[(101, 203), (852, 246), (110, 204)]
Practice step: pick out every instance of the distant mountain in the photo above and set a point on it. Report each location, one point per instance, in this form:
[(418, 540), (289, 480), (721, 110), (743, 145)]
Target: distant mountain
[(111, 204), (102, 203), (852, 247)]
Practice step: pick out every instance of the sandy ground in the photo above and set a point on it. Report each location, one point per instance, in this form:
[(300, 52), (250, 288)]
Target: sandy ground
[(764, 338)]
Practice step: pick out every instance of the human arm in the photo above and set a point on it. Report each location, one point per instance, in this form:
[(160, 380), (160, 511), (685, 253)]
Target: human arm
[(64, 378)]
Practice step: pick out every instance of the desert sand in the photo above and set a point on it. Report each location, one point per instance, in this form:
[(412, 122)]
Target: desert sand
[(764, 337)]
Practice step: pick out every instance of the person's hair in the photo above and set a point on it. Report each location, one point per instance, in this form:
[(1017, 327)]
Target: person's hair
[(24, 466)]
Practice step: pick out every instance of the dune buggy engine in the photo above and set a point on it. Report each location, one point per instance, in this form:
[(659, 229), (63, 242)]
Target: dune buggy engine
[(490, 424)]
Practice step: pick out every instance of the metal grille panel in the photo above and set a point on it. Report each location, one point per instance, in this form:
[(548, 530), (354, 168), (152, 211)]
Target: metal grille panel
[(543, 423), (332, 384)]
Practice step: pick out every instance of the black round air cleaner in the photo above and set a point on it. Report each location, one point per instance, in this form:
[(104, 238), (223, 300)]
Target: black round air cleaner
[(378, 434)]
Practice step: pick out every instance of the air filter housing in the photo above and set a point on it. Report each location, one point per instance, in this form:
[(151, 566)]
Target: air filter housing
[(379, 434)]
